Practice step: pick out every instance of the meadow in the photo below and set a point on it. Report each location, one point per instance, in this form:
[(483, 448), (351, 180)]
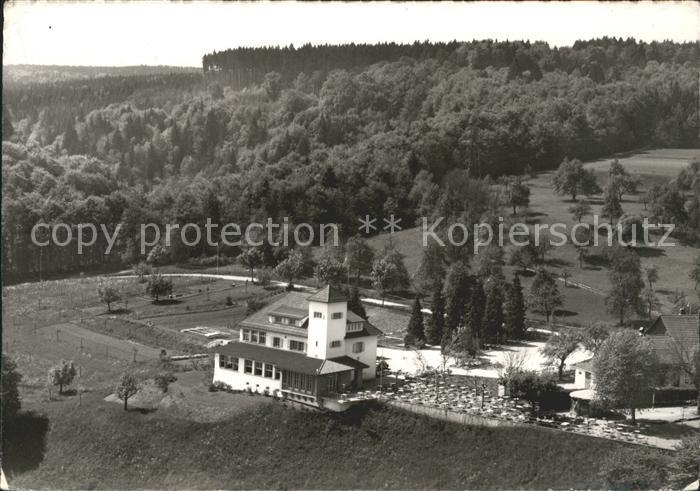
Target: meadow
[(585, 303), (274, 447)]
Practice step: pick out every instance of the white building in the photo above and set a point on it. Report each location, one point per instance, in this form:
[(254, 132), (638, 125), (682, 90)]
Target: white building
[(306, 348)]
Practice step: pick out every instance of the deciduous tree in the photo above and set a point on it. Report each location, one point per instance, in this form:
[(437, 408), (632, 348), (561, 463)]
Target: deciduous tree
[(62, 374), (127, 387), (544, 294), (109, 294), (10, 398), (559, 347), (158, 286), (626, 369), (571, 178)]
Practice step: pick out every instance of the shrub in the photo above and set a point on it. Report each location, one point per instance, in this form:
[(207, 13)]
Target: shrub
[(163, 380), (253, 305), (640, 471), (535, 388), (229, 300), (409, 340), (62, 374), (265, 277)]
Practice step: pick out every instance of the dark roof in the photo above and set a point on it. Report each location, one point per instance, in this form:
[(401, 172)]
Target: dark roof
[(673, 333), (367, 330), (351, 362), (292, 300), (287, 360), (329, 294), (585, 365), (353, 317), (293, 312), (295, 305)]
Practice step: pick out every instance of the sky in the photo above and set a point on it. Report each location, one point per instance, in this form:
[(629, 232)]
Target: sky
[(179, 33)]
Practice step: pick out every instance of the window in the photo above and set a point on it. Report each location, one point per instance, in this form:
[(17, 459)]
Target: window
[(248, 366), (222, 361), (358, 347), (258, 368), (268, 370), (296, 345), (335, 344), (262, 338), (354, 326), (276, 342), (337, 315), (245, 335), (278, 374), (254, 336), (318, 315), (234, 363), (230, 361)]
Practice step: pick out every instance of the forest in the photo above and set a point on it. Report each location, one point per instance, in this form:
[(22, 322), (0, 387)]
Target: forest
[(322, 134)]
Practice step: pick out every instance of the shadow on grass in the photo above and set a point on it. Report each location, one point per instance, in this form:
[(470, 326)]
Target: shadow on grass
[(649, 252), (166, 301), (556, 262), (24, 442), (565, 313), (142, 410)]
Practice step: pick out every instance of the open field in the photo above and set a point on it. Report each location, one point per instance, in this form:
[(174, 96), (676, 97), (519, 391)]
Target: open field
[(586, 304), (662, 162), (272, 447)]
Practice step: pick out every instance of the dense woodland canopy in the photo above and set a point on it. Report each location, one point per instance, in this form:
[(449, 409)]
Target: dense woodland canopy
[(323, 134)]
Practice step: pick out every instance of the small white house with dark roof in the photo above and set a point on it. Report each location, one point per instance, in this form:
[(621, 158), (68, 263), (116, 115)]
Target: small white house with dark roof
[(306, 348)]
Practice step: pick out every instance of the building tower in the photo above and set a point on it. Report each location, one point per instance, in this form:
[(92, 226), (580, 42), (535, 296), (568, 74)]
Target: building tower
[(328, 312)]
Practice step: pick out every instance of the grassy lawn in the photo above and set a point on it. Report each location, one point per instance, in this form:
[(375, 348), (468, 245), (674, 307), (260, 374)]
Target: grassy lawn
[(546, 207), (274, 447)]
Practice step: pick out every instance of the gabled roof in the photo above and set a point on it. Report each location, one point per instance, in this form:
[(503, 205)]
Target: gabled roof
[(673, 333), (286, 360), (295, 305), (351, 362), (288, 311), (367, 330), (585, 365), (291, 300), (329, 294)]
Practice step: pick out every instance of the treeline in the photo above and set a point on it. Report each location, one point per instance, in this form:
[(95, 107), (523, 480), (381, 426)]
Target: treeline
[(592, 58), (404, 137)]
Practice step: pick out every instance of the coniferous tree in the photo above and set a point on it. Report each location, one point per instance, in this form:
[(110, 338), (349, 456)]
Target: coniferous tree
[(437, 319), (493, 322), (354, 302), (514, 311), (477, 306), (456, 292), (415, 325)]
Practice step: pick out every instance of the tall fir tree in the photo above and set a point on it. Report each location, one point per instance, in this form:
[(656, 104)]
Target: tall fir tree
[(354, 302), (493, 323), (416, 327), (456, 292), (437, 319), (514, 310), (477, 306)]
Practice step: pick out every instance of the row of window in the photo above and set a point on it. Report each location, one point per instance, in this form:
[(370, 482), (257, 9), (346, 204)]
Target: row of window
[(260, 337), (278, 319), (252, 367), (334, 315), (253, 336)]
